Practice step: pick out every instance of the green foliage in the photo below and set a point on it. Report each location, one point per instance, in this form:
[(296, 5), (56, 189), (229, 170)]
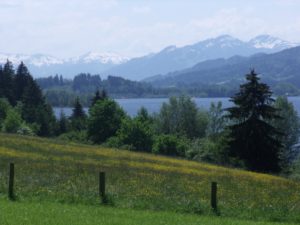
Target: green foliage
[(23, 92), (35, 110), (63, 123), (78, 117), (4, 108), (143, 116), (252, 136), (25, 130), (13, 122), (104, 120), (217, 121), (289, 126), (99, 96), (7, 83), (180, 116), (22, 80), (170, 145), (136, 134), (75, 136), (212, 150)]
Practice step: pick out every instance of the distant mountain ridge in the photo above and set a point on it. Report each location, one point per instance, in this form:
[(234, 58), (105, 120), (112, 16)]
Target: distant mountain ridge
[(41, 65), (173, 58), (169, 59), (281, 67)]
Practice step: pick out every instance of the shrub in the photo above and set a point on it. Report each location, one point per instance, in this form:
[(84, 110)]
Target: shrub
[(170, 145), (104, 121), (4, 108), (25, 130), (75, 136), (12, 122), (135, 134)]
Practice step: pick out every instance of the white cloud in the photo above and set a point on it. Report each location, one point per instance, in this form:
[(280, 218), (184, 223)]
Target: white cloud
[(68, 28)]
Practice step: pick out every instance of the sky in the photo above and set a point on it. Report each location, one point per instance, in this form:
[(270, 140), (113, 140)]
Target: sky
[(68, 28)]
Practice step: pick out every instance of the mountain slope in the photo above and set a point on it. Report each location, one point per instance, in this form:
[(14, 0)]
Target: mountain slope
[(173, 58), (278, 67)]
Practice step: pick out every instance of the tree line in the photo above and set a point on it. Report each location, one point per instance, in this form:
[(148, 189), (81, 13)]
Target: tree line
[(23, 107), (63, 92), (257, 133)]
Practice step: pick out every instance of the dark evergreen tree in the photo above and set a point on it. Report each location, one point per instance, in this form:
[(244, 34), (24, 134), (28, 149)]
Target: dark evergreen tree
[(32, 99), (78, 117), (103, 94), (63, 123), (96, 98), (99, 96), (61, 80), (6, 82), (252, 137), (46, 120), (21, 80)]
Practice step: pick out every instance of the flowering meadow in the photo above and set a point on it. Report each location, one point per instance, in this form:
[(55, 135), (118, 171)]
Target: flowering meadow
[(61, 172)]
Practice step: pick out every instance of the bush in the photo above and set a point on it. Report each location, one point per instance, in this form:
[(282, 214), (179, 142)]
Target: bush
[(12, 122), (25, 130), (105, 120), (213, 150), (180, 116), (170, 145), (135, 134), (4, 108), (75, 136)]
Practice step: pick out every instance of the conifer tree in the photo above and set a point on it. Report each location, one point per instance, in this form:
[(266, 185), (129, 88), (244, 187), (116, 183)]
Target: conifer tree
[(21, 80), (78, 117), (252, 136), (63, 123), (99, 96), (6, 82)]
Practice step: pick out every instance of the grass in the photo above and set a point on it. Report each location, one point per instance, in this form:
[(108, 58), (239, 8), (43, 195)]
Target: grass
[(28, 213), (58, 172)]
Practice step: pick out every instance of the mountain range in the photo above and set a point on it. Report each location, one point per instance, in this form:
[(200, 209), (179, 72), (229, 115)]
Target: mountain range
[(41, 65), (169, 59), (277, 68)]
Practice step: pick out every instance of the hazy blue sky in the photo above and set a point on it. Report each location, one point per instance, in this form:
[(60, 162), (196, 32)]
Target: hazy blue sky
[(133, 27)]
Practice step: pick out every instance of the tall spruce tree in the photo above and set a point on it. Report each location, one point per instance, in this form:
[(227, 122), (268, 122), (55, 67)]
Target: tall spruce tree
[(99, 96), (7, 82), (21, 81), (78, 117), (253, 138)]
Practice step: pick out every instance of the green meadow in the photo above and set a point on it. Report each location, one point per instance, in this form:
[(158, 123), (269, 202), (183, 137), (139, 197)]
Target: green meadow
[(57, 182)]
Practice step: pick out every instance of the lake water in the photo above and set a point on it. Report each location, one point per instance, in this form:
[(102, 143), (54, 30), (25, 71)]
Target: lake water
[(131, 106)]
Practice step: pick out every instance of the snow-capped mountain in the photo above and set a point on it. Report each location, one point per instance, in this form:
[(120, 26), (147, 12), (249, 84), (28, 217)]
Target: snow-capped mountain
[(105, 58), (269, 42), (45, 65), (36, 59), (175, 58), (169, 59)]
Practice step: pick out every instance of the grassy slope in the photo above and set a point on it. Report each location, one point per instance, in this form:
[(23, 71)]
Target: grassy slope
[(54, 171), (61, 214)]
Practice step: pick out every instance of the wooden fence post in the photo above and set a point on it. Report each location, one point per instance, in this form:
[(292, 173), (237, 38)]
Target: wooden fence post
[(214, 196), (11, 181), (102, 186)]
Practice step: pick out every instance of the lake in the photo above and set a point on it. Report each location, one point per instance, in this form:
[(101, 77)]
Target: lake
[(131, 106)]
